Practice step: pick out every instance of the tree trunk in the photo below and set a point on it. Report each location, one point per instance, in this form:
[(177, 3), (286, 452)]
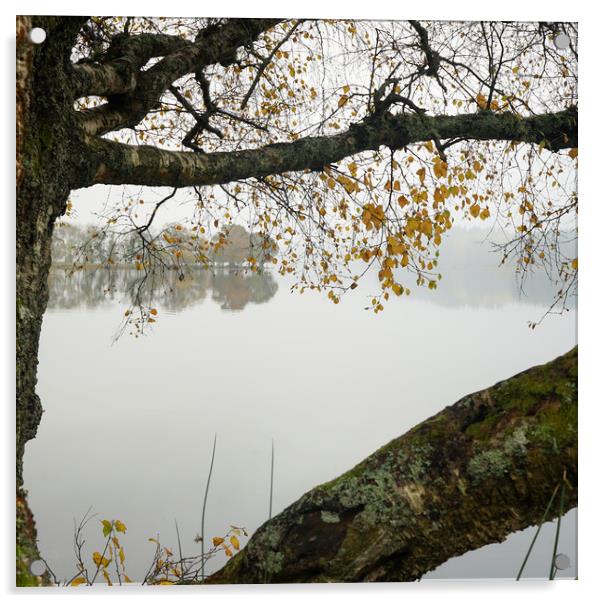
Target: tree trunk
[(47, 162), (469, 476)]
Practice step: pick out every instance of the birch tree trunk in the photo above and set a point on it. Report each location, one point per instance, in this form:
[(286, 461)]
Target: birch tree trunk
[(46, 159)]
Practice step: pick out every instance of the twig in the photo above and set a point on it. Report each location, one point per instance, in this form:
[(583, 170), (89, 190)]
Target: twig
[(180, 550), (265, 63)]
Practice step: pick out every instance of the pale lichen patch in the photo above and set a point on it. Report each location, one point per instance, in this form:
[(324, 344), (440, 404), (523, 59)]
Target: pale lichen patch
[(329, 517), (414, 494)]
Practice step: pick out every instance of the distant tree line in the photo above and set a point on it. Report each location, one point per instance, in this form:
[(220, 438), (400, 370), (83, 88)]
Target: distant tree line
[(81, 245)]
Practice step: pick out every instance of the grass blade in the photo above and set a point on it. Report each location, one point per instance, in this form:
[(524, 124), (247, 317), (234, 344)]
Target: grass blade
[(205, 508), (543, 519)]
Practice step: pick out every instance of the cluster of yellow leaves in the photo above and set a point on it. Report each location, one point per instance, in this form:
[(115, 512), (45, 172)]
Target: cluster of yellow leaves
[(373, 216), (407, 239), (101, 561), (494, 105), (228, 543)]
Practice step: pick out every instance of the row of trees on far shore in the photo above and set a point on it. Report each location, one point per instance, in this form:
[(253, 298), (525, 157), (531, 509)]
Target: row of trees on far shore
[(81, 245)]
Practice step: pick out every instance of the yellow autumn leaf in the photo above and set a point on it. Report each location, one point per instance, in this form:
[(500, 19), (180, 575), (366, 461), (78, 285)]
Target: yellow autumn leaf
[(234, 542), (166, 583), (119, 526), (574, 264), (427, 228), (217, 540), (481, 101), (440, 168), (573, 153), (78, 581), (99, 560), (421, 174), (475, 210), (343, 100)]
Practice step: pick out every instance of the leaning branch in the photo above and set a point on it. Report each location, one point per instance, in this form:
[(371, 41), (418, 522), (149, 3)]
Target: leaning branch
[(117, 163), (468, 476)]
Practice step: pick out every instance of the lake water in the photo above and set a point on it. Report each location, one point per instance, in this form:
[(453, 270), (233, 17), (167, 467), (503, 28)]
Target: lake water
[(128, 426)]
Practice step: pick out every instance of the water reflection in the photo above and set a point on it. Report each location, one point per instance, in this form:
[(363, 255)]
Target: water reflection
[(232, 289), (479, 286)]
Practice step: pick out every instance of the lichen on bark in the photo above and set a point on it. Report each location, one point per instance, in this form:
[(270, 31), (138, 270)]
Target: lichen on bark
[(49, 163), (469, 476)]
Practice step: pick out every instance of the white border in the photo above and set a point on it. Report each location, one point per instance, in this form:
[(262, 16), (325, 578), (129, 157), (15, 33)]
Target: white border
[(590, 222)]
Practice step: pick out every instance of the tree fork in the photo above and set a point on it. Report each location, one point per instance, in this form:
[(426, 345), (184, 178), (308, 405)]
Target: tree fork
[(468, 476)]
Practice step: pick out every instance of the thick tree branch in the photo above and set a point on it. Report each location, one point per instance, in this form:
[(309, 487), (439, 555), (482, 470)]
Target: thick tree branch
[(468, 476), (119, 71), (215, 45), (117, 163)]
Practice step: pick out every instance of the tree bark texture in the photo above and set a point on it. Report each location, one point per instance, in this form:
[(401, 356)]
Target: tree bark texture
[(46, 161), (468, 476), (118, 163)]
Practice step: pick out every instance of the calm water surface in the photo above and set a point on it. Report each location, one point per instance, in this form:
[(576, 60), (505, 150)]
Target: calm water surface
[(128, 426)]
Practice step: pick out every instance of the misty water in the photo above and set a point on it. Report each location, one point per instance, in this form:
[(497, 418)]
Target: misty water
[(128, 426)]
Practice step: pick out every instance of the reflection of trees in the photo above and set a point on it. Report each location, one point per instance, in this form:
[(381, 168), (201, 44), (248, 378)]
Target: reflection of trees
[(93, 287), (234, 290)]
